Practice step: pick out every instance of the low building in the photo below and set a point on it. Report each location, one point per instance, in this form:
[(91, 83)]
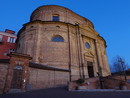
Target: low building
[(7, 43)]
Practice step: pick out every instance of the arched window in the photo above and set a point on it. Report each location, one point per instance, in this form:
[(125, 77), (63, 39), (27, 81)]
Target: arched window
[(18, 67), (57, 38)]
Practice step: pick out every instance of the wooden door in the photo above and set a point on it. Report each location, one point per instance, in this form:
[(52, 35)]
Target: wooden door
[(90, 69), (17, 77)]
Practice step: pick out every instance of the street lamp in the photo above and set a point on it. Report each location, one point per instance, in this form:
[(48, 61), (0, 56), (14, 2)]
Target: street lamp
[(122, 64)]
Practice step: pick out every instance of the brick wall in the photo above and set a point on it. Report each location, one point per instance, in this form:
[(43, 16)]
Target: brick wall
[(45, 13), (3, 71), (6, 44), (35, 39), (90, 83), (115, 82), (39, 78)]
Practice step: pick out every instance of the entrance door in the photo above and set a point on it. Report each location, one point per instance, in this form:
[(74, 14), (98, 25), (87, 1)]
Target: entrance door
[(17, 77), (90, 69)]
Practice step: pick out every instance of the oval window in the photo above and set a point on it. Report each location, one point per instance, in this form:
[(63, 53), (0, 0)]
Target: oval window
[(87, 45), (57, 39)]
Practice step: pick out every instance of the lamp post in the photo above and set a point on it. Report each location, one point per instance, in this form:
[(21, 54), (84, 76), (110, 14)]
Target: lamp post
[(101, 79), (122, 64)]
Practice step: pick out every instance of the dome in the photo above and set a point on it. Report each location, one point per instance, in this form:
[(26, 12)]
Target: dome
[(46, 12)]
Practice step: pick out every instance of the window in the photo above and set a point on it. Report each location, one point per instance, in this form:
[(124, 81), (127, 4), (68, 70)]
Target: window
[(57, 39), (1, 38), (5, 53), (11, 40), (8, 39), (18, 67), (18, 45), (55, 17), (11, 50), (87, 45), (14, 40)]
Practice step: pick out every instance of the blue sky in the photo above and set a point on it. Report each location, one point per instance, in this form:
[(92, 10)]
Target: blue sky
[(111, 19)]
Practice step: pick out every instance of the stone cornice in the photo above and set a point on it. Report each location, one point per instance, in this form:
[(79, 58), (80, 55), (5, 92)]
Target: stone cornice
[(20, 55), (43, 22), (46, 67), (8, 34)]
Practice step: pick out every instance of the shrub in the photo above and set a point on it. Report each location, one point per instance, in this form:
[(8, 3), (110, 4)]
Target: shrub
[(80, 81)]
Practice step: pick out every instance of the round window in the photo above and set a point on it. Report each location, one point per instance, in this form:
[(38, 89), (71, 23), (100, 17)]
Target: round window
[(87, 45)]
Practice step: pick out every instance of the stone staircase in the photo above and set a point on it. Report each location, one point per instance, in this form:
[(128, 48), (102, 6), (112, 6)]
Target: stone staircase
[(90, 83), (115, 82), (109, 82)]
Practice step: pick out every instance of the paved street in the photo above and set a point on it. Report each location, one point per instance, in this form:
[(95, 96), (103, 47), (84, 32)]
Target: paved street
[(63, 93)]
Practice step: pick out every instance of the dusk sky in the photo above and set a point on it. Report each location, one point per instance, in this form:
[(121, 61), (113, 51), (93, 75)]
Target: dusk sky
[(111, 19)]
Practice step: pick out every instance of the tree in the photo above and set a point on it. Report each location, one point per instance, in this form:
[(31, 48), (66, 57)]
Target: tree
[(119, 65)]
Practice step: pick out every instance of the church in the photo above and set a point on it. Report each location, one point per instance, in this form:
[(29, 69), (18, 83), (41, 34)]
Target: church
[(55, 47)]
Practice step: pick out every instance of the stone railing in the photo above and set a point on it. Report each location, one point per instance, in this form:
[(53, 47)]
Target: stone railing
[(115, 82), (90, 83), (109, 82)]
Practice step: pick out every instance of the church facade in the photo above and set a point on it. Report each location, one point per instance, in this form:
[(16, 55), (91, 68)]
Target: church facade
[(55, 47)]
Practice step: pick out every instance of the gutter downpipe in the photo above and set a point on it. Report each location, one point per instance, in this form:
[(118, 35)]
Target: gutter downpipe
[(80, 44), (80, 53), (79, 61), (69, 50), (99, 68)]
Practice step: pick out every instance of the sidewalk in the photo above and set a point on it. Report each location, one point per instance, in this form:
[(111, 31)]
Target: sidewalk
[(101, 90), (62, 92)]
